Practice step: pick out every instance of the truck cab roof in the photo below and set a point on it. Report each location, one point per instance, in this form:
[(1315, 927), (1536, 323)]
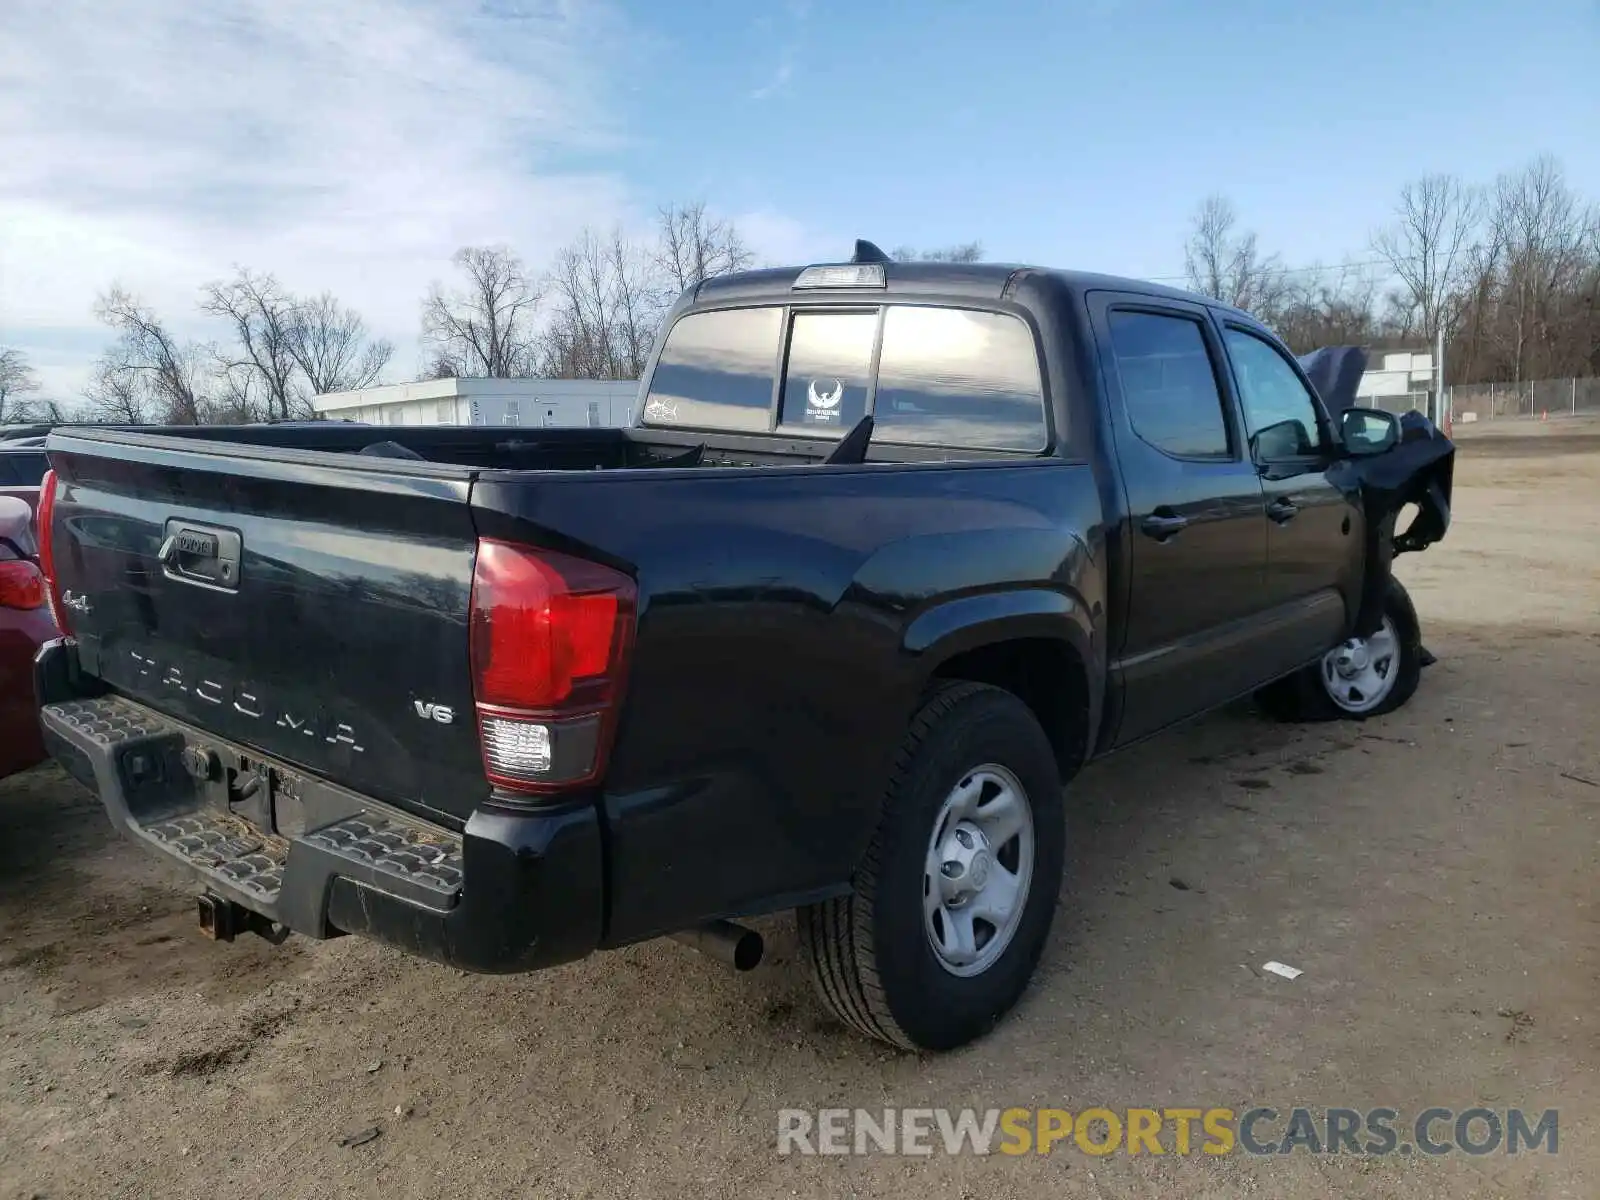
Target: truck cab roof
[(977, 281)]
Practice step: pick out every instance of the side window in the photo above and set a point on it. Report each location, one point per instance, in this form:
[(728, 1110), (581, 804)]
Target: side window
[(1279, 411), (958, 377), (715, 370), (1168, 385), (830, 368)]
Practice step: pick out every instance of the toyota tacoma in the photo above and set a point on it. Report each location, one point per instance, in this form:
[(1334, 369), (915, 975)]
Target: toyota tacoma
[(890, 551)]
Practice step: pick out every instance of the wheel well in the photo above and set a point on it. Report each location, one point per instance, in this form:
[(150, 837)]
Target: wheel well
[(1047, 675)]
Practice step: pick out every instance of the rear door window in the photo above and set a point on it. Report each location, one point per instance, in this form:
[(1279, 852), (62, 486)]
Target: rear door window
[(830, 370), (1169, 387), (716, 371), (959, 377)]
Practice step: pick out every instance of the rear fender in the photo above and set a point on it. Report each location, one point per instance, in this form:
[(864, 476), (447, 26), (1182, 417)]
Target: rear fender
[(956, 626)]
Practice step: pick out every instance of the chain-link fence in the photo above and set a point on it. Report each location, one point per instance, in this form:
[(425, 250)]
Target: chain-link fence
[(1399, 404), (1531, 398)]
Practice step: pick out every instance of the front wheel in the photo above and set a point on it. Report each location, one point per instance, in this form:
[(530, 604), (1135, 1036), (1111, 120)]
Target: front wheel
[(953, 901), (1359, 678)]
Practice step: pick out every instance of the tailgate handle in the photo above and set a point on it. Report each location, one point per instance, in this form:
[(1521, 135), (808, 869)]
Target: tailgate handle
[(203, 555)]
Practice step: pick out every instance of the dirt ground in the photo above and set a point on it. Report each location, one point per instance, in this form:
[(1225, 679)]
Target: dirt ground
[(1432, 872)]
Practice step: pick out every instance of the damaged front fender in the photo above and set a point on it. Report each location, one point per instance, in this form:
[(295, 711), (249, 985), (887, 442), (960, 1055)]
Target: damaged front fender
[(1418, 470)]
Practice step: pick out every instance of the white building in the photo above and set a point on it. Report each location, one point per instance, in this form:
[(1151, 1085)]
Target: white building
[(527, 402), (1397, 381)]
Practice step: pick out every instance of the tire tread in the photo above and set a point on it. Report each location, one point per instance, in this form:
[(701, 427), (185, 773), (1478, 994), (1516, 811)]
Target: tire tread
[(837, 934)]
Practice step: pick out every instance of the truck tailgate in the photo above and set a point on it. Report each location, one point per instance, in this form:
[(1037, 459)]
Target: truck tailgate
[(312, 608)]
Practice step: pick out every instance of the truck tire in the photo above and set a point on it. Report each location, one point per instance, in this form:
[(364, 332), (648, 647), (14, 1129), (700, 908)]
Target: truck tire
[(953, 900), (1357, 679)]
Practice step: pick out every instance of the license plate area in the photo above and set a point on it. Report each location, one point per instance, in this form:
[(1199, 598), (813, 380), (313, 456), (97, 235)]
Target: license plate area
[(269, 797)]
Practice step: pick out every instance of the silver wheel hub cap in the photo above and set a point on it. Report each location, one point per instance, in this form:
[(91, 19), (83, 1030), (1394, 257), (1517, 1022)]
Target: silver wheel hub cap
[(979, 867), (1359, 675)]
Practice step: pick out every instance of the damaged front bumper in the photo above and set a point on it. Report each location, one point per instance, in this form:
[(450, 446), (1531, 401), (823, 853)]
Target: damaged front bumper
[(1418, 472)]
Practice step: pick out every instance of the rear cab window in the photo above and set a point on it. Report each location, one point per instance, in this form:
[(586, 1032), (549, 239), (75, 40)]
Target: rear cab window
[(933, 376), (23, 469), (716, 371), (829, 371)]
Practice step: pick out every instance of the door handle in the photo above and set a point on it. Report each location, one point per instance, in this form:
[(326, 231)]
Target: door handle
[(1163, 525), (1282, 510)]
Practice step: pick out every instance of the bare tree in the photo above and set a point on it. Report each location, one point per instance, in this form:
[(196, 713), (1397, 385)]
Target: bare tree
[(486, 328), (1225, 263), (328, 342), (18, 385), (1428, 246), (146, 371), (1544, 231), (1467, 355), (440, 365), (608, 303), (610, 292), (962, 252), (1328, 307), (261, 316), (1511, 272), (693, 246), (238, 396)]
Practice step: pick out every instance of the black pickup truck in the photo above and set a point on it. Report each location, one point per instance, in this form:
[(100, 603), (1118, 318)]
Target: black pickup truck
[(889, 553)]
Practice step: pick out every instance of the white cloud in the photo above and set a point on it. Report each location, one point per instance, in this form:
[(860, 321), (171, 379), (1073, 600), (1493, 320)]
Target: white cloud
[(351, 146), (780, 80), (788, 30), (780, 240)]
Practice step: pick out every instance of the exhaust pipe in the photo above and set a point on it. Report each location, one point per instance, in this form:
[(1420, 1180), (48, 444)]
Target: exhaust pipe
[(736, 946)]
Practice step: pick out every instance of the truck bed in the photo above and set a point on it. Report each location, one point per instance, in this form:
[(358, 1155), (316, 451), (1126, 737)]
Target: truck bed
[(512, 447), (338, 653)]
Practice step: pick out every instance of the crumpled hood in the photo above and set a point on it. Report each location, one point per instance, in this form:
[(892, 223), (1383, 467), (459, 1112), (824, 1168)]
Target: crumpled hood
[(1335, 371)]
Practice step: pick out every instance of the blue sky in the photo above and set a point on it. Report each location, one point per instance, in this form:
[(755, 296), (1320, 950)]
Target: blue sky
[(1084, 133), (353, 144)]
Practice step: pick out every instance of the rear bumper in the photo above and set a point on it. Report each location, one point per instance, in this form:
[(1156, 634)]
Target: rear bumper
[(511, 892)]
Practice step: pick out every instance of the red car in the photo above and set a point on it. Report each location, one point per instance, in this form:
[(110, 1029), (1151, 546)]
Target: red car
[(25, 624)]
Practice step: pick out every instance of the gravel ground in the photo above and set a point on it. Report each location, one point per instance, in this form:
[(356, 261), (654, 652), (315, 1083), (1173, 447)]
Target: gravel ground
[(1432, 872)]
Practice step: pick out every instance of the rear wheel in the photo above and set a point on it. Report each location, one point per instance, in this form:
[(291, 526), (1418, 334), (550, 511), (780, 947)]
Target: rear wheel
[(953, 901), (1359, 678)]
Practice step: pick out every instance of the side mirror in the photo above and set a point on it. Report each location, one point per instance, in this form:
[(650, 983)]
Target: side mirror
[(1367, 431), (1280, 440)]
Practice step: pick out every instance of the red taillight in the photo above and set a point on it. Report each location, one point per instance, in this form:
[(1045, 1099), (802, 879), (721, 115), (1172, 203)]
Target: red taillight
[(21, 585), (550, 636), (44, 518)]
